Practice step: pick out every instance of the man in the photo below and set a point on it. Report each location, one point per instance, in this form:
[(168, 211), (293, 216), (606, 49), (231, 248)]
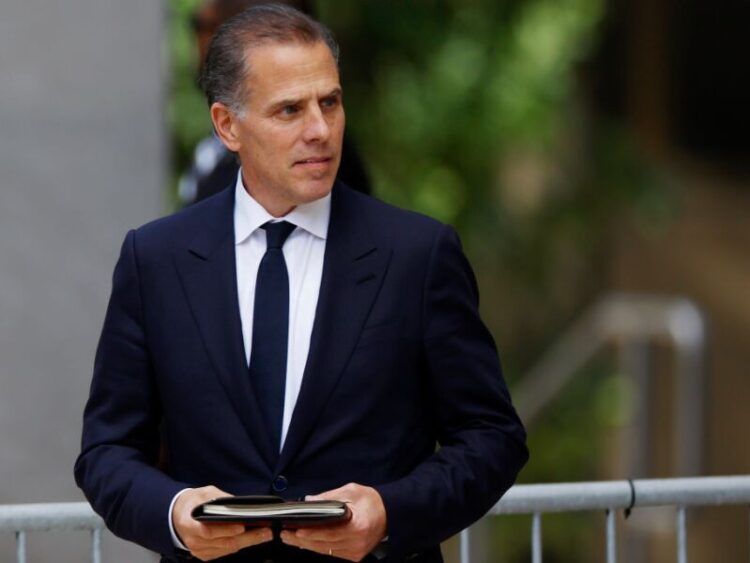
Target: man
[(214, 166), (294, 337)]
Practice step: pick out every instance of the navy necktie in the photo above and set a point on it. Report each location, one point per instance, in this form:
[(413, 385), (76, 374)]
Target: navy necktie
[(271, 330)]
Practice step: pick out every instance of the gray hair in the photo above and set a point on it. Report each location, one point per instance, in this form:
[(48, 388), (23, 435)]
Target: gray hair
[(224, 74)]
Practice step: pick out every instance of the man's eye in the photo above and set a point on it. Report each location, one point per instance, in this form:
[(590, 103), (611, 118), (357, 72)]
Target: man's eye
[(289, 110), (329, 102)]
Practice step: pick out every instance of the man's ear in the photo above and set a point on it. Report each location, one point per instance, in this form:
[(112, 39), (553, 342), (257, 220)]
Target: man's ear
[(225, 125)]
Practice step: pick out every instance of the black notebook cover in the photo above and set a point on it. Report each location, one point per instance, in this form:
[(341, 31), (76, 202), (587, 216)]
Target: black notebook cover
[(272, 511)]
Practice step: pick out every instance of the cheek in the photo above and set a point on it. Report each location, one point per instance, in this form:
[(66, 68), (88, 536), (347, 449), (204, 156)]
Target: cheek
[(279, 148), (267, 152), (336, 122)]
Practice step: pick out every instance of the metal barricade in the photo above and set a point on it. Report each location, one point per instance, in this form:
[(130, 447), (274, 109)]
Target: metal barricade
[(536, 500), (631, 321), (611, 496), (24, 518)]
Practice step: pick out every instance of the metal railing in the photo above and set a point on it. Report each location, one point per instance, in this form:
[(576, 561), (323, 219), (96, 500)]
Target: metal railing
[(611, 496), (24, 518), (536, 500), (632, 322)]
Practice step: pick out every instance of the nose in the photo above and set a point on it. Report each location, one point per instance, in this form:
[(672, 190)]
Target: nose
[(316, 128)]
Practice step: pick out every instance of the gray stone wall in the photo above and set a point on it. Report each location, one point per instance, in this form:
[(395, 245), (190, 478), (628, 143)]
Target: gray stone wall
[(82, 159)]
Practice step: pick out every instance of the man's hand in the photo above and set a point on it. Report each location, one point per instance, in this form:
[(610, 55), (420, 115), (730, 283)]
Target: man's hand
[(209, 541), (351, 540)]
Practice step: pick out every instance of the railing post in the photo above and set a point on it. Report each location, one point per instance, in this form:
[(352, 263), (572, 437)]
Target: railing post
[(96, 545), (20, 546), (536, 538), (611, 537), (464, 545), (681, 536)]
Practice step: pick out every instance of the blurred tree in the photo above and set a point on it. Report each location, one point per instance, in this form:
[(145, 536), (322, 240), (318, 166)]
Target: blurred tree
[(187, 114), (471, 112)]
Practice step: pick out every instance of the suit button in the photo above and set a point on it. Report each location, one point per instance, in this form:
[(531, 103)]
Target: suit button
[(280, 484)]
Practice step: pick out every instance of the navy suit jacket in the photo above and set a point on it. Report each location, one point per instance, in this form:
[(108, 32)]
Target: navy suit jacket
[(399, 362)]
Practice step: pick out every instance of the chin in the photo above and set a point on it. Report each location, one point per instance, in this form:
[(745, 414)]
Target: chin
[(315, 190)]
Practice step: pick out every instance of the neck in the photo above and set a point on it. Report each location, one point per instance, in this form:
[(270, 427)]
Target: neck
[(275, 208)]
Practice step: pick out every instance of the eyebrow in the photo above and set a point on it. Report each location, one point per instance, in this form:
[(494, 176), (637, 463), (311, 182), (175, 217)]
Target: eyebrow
[(336, 92)]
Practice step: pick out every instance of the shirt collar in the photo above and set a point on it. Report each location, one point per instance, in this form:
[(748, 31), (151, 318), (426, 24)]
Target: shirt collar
[(249, 215)]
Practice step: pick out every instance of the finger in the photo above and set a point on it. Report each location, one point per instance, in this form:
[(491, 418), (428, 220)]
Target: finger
[(334, 533), (340, 550), (334, 539), (206, 554), (291, 538), (328, 495), (210, 493), (217, 547), (342, 493), (214, 531), (235, 543), (254, 537)]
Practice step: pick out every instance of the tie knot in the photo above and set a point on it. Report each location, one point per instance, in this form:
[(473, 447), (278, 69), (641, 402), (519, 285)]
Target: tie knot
[(277, 233)]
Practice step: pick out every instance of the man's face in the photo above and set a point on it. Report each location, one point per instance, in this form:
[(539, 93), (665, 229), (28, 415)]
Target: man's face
[(289, 135)]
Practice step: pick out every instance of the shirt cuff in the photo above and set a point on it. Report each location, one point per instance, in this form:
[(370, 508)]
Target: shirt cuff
[(175, 540)]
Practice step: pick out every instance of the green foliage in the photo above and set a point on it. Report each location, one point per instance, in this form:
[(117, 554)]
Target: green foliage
[(187, 114), (471, 112), (456, 87)]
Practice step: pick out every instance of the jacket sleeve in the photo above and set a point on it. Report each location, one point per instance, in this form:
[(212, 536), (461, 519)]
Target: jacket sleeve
[(481, 439), (120, 446)]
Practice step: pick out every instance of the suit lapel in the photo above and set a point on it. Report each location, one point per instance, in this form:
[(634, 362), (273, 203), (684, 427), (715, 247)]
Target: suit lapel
[(207, 269), (353, 270)]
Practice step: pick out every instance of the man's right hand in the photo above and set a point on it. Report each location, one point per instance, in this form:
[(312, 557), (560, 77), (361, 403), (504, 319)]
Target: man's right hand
[(210, 541)]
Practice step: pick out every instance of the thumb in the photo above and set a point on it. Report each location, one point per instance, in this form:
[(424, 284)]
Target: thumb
[(343, 494), (211, 492), (322, 496)]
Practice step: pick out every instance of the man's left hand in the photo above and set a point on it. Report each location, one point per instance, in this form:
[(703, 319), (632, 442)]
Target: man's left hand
[(351, 540)]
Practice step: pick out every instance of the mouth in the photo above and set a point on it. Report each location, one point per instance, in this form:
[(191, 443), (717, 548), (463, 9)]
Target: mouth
[(314, 162)]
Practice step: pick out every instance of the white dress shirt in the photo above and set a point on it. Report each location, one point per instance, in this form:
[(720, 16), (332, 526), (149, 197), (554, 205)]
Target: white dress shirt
[(303, 253)]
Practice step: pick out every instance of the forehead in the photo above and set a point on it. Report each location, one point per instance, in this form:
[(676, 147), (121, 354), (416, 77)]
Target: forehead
[(278, 70)]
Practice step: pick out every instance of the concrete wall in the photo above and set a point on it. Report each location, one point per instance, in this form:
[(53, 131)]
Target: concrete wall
[(82, 158)]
